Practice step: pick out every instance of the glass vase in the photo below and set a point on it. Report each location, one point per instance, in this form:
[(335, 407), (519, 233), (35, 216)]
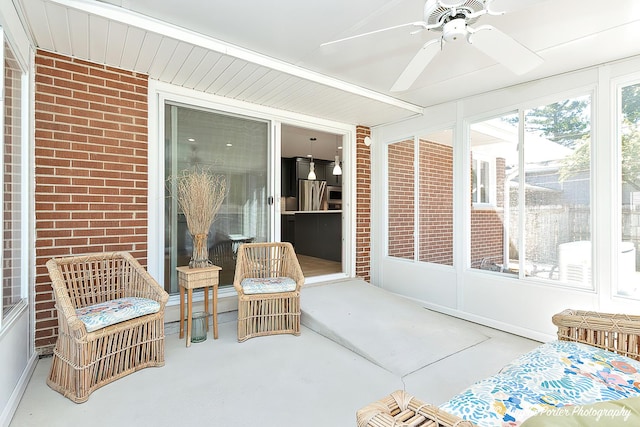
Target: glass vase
[(200, 254)]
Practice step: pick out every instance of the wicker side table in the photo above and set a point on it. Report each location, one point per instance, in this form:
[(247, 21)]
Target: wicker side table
[(195, 278)]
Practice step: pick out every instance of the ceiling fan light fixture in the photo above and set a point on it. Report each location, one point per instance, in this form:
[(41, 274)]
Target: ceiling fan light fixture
[(454, 30)]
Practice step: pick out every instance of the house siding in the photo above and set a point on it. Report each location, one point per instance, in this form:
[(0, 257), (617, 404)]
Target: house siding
[(90, 169)]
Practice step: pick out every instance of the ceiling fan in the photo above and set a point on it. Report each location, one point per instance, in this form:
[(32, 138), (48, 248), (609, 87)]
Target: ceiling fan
[(453, 19)]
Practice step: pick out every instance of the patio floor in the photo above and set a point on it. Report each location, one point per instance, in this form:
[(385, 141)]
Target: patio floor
[(276, 381)]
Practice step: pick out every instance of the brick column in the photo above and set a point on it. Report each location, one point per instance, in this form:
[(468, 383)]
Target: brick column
[(363, 204)]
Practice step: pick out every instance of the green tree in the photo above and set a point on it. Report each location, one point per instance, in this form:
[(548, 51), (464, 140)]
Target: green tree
[(631, 104), (630, 151), (580, 160), (565, 122)]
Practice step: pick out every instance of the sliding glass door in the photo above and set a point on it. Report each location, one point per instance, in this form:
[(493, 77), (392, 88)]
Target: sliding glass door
[(235, 146)]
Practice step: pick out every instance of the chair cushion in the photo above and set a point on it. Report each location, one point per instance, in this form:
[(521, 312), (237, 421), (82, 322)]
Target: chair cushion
[(268, 285), (554, 375), (108, 313)]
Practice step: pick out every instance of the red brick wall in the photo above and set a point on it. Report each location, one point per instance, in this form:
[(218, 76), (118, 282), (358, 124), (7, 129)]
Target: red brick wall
[(436, 203), (11, 191), (363, 204), (91, 168), (436, 207), (401, 187), (487, 233)]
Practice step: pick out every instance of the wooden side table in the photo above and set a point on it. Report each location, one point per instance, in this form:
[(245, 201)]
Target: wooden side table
[(195, 278)]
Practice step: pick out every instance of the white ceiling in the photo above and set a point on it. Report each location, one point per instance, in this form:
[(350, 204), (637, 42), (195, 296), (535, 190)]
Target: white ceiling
[(269, 53)]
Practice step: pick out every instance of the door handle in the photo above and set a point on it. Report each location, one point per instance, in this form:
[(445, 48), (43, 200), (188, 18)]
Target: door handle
[(270, 200)]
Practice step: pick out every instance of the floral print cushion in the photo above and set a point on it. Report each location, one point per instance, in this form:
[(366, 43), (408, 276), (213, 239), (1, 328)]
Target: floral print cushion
[(108, 313), (268, 285), (556, 374)]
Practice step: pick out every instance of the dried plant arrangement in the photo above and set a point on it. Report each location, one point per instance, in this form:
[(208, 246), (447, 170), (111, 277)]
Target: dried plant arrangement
[(200, 194)]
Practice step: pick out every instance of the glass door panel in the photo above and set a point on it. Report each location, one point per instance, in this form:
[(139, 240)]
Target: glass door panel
[(236, 147)]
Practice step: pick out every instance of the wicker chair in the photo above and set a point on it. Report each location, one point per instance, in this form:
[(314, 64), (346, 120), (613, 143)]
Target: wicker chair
[(266, 305), (84, 361)]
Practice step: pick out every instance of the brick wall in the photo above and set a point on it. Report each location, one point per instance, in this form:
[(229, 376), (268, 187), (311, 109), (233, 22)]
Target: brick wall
[(91, 168), (487, 231), (12, 190), (401, 187), (363, 204), (436, 207), (436, 203)]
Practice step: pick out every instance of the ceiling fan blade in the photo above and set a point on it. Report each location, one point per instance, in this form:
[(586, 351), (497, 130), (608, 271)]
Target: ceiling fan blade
[(417, 65), (504, 49), (421, 24)]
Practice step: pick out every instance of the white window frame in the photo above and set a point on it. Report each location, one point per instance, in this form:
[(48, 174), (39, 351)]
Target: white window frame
[(25, 183), (491, 191), (617, 86)]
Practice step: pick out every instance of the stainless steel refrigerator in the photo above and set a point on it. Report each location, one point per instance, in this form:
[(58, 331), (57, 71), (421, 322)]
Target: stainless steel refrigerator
[(312, 195)]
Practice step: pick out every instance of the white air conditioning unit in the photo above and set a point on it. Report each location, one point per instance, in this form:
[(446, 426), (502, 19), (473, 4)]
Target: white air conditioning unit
[(627, 276), (574, 263)]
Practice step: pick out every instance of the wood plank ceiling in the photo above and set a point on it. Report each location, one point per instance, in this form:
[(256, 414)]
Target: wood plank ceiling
[(104, 34)]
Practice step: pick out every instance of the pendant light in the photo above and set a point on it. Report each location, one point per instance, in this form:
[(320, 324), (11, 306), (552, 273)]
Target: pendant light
[(312, 166), (337, 170)]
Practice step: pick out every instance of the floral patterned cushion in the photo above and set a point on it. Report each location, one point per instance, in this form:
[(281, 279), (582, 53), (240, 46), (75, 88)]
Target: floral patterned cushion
[(554, 375), (108, 313), (268, 285)]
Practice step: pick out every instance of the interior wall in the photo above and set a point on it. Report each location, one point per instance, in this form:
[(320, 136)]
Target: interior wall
[(522, 306)]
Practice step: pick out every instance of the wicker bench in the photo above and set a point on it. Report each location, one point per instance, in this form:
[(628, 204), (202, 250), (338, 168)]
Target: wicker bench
[(615, 333), (85, 359)]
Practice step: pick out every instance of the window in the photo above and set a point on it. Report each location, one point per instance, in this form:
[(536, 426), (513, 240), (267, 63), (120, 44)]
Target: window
[(401, 199), (422, 207), (557, 192), (12, 213), (531, 215), (494, 166), (628, 276), (481, 181)]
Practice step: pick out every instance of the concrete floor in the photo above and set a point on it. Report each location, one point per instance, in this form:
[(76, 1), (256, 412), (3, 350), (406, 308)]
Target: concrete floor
[(276, 381)]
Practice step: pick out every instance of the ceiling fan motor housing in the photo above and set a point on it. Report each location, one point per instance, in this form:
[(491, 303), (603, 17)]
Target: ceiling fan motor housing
[(454, 30), (442, 11)]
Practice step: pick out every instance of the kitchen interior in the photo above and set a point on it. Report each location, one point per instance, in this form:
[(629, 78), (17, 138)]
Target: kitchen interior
[(311, 198)]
